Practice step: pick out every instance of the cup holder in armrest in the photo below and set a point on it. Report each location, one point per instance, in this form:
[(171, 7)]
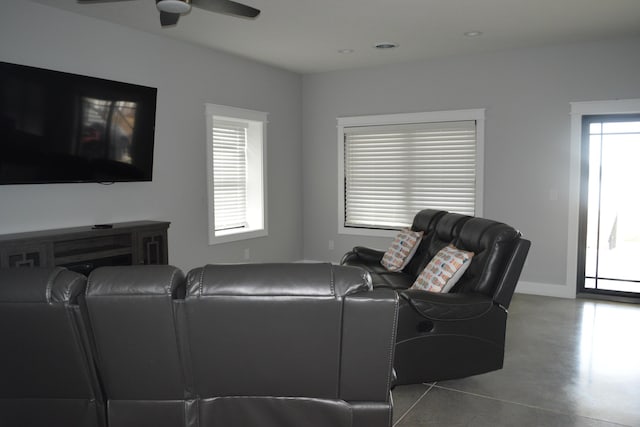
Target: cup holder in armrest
[(424, 326)]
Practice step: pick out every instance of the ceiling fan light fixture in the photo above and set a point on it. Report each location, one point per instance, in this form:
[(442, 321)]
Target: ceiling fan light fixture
[(174, 6)]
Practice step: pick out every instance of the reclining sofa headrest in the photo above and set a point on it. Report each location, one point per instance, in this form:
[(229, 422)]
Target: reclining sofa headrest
[(276, 279), (449, 227), (124, 280), (426, 220), (45, 285), (492, 243)]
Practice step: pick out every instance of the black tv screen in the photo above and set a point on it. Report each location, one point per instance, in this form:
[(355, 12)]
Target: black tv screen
[(59, 127)]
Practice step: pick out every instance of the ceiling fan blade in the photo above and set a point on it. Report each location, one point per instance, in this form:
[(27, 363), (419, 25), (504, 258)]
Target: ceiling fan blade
[(228, 7), (168, 19)]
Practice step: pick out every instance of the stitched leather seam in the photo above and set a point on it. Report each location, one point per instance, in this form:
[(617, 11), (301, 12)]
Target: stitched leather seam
[(201, 284), (393, 340), (52, 277), (173, 275), (67, 294), (86, 289), (332, 280)]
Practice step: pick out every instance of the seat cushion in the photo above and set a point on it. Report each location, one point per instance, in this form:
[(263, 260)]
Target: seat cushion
[(397, 280)]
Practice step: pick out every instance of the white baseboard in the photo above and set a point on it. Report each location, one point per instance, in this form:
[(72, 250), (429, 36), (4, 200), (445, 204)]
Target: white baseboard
[(544, 289)]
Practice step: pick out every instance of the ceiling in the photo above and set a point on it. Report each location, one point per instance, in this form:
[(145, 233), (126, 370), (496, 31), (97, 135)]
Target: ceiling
[(306, 36)]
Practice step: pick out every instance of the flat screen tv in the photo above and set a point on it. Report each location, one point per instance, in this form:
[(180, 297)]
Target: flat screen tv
[(58, 127)]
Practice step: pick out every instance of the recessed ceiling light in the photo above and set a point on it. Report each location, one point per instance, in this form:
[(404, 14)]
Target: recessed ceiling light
[(473, 33), (346, 51), (386, 45)]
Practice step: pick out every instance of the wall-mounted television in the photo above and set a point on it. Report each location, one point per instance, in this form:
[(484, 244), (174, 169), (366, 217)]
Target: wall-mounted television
[(59, 127)]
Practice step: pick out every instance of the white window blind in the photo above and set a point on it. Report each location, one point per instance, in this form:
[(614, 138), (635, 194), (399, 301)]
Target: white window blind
[(393, 171), (229, 174)]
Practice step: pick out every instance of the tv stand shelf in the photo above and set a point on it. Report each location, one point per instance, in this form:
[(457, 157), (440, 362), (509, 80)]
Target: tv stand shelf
[(86, 256), (85, 248)]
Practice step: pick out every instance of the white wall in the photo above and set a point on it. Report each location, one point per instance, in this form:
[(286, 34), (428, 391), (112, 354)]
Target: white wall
[(186, 78), (527, 95)]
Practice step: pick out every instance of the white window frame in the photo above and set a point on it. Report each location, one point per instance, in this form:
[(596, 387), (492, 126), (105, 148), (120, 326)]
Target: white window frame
[(256, 169), (407, 118)]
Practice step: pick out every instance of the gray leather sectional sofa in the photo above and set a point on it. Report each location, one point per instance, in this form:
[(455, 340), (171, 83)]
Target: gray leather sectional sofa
[(268, 345)]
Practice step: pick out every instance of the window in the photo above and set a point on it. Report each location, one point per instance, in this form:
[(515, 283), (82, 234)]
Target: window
[(236, 140), (392, 166)]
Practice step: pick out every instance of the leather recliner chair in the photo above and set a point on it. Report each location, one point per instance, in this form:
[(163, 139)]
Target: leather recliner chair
[(460, 333), (277, 345), (47, 374)]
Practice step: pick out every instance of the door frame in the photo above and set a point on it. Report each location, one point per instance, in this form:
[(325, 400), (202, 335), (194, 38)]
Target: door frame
[(578, 110), (587, 119)]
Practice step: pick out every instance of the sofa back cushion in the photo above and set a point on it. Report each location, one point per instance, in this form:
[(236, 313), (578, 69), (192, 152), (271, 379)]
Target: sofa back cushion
[(132, 317), (42, 356), (268, 329), (47, 376), (425, 221), (444, 231), (492, 243)]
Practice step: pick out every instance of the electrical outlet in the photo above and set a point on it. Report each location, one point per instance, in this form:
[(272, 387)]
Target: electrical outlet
[(331, 245), (247, 254)]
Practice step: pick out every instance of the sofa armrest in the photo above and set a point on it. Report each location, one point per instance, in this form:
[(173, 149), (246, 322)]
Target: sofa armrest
[(362, 255), (450, 306), (507, 285), (368, 344)]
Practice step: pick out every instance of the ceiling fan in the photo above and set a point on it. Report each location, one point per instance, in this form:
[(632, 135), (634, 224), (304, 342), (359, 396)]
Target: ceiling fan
[(170, 10)]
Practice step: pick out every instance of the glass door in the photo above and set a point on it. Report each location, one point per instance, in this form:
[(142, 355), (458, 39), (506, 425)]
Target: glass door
[(609, 257)]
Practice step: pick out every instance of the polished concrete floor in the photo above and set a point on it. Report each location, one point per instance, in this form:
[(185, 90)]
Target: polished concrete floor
[(567, 363)]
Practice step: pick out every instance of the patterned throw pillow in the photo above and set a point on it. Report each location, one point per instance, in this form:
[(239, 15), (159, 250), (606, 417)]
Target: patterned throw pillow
[(401, 250), (444, 270)]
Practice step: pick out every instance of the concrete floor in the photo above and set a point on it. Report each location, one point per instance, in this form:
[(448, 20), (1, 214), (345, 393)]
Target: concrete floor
[(567, 363)]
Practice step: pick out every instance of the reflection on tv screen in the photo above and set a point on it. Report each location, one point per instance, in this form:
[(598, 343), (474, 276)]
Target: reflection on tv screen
[(107, 129)]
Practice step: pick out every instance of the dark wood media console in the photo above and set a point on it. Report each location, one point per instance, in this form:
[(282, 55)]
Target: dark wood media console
[(84, 248)]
